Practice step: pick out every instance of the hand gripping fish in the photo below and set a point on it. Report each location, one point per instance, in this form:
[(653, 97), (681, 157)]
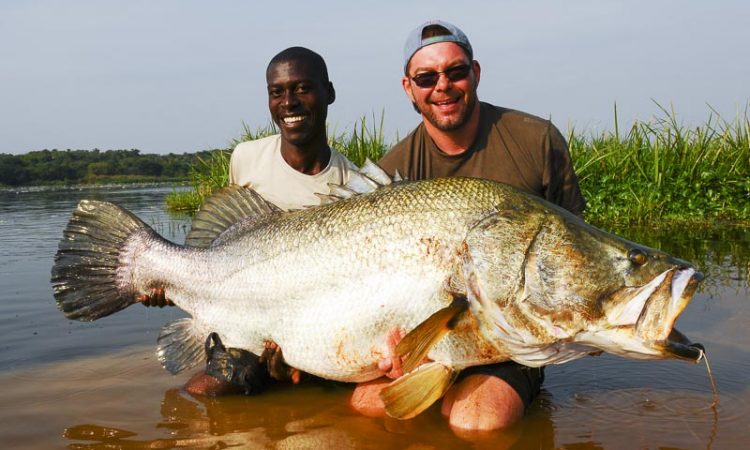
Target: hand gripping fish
[(475, 272)]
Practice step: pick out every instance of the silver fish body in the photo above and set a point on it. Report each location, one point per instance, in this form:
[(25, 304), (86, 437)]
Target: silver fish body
[(328, 284)]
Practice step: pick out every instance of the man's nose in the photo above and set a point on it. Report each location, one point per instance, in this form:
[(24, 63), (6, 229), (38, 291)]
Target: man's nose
[(443, 82), (289, 99)]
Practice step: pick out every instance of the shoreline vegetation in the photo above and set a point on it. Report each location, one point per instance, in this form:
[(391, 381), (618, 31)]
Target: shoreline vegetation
[(94, 167), (659, 173), (211, 172)]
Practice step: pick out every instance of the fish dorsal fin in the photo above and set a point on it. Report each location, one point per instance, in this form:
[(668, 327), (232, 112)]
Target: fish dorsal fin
[(368, 178), (375, 173), (365, 179), (227, 207)]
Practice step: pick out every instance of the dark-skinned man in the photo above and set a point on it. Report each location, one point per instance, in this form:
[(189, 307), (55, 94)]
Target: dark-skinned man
[(286, 169), (461, 136)]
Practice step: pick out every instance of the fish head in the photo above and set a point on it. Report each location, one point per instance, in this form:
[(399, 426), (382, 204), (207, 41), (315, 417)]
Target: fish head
[(547, 287), (638, 321)]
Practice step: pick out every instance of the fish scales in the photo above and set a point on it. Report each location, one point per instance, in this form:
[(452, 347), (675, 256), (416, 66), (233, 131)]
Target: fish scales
[(518, 277), (327, 284)]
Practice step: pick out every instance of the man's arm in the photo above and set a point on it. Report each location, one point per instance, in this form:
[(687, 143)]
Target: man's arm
[(562, 187)]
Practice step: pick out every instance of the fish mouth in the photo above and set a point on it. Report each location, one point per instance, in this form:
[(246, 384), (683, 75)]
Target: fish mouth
[(679, 346), (663, 307), (647, 318)]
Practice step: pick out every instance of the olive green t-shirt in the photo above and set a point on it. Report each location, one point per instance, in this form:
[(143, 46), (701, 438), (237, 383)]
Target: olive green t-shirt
[(511, 147)]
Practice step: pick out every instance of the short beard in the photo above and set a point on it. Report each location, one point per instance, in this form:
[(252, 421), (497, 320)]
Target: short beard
[(462, 120)]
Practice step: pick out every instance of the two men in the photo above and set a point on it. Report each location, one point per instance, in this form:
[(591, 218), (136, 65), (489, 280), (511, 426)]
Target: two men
[(461, 136), (458, 136)]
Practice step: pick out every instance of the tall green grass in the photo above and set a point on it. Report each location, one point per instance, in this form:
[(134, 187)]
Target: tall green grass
[(658, 173), (366, 141), (661, 172), (211, 174)]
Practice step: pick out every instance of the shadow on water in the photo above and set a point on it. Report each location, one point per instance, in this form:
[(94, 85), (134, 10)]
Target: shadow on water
[(126, 401), (311, 417)]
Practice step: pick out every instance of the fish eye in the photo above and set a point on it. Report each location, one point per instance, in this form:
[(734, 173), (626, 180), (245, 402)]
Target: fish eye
[(637, 256)]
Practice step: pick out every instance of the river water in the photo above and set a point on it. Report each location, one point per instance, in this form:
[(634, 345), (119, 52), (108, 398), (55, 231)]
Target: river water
[(67, 384)]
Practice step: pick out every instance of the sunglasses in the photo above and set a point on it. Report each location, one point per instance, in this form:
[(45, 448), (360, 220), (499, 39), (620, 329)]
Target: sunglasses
[(430, 79)]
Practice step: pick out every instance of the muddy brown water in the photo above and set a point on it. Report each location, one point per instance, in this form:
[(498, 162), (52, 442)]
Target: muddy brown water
[(66, 384)]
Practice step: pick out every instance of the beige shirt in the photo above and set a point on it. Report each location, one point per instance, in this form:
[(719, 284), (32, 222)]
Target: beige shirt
[(258, 164)]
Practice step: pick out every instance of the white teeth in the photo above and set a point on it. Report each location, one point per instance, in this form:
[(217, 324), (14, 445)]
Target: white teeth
[(293, 119)]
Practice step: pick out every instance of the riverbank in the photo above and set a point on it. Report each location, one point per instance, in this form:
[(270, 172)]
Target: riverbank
[(69, 167), (177, 185)]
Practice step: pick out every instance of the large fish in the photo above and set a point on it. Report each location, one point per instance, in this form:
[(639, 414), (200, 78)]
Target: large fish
[(474, 271)]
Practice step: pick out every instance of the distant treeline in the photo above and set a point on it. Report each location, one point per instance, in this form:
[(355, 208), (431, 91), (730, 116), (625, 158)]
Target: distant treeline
[(94, 167)]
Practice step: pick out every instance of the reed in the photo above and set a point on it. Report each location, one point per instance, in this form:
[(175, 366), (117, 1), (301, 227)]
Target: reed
[(208, 175), (212, 173), (366, 141), (658, 173), (664, 172)]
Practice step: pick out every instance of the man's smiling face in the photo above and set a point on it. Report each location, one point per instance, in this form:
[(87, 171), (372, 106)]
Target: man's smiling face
[(298, 100), (448, 104)]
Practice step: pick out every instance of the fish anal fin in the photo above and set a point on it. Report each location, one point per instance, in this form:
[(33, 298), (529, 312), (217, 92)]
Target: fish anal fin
[(419, 341), (181, 345), (414, 392)]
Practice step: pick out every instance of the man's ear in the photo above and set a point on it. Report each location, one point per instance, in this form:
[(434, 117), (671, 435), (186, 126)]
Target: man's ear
[(331, 93), (406, 84), (477, 71)]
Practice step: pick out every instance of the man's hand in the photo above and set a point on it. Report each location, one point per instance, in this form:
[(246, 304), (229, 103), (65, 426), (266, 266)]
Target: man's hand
[(155, 298), (274, 361), (230, 366)]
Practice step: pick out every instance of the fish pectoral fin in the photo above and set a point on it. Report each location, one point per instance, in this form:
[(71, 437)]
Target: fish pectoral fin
[(419, 341), (181, 345), (417, 390)]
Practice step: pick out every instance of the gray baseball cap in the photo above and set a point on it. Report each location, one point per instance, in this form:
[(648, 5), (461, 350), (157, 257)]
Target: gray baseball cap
[(415, 42)]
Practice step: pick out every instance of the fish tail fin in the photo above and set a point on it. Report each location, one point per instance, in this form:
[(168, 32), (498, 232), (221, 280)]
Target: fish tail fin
[(181, 345), (414, 392), (85, 273)]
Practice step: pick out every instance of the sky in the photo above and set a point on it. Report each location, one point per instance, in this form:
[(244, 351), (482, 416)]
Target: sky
[(176, 76)]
